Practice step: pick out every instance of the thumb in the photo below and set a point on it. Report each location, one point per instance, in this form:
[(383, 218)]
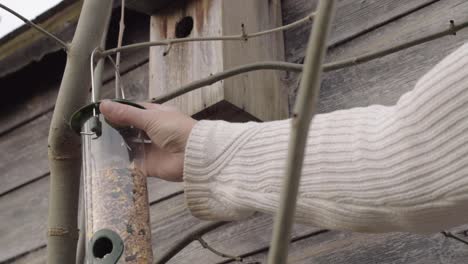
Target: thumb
[(125, 115)]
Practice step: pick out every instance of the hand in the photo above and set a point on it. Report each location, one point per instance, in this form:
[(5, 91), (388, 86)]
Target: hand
[(166, 127)]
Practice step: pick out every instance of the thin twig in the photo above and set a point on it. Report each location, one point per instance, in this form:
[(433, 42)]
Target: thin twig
[(81, 247), (451, 30), (276, 65), (187, 240), (119, 45), (221, 254), (270, 65), (38, 28), (294, 24), (449, 234), (119, 76), (240, 37), (302, 116), (254, 252)]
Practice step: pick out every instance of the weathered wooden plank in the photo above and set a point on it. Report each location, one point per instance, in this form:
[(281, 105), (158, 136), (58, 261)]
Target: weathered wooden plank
[(171, 221), (383, 81), (23, 221), (346, 247), (38, 83), (41, 102), (26, 111), (25, 149), (259, 93), (336, 247), (352, 19), (24, 155), (236, 239)]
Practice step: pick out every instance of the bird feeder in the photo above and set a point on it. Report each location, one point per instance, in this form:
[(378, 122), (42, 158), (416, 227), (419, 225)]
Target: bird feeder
[(115, 191), (260, 93)]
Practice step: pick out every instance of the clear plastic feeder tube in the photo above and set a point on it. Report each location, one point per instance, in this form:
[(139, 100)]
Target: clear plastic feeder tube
[(115, 190)]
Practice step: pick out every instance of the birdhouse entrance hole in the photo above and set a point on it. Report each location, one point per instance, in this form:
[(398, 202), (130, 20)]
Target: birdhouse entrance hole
[(184, 27)]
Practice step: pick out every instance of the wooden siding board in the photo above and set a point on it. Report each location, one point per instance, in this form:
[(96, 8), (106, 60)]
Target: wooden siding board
[(236, 238), (44, 102), (23, 221), (260, 93), (383, 81), (170, 221), (331, 247), (345, 247), (352, 18), (24, 155)]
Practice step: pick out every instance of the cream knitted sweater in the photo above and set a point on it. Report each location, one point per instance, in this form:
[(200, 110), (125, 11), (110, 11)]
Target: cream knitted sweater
[(370, 169)]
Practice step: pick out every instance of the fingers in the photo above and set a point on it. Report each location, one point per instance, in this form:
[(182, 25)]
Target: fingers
[(125, 115)]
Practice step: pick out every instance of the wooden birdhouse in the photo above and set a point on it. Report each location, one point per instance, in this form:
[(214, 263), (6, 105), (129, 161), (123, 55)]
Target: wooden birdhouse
[(259, 93)]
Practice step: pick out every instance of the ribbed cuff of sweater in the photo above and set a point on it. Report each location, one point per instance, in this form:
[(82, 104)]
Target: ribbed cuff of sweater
[(210, 147)]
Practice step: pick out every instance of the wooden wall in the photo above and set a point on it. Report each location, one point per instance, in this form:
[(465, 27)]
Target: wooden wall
[(360, 26)]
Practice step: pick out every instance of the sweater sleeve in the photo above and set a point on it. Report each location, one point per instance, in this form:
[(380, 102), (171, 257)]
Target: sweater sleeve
[(371, 169)]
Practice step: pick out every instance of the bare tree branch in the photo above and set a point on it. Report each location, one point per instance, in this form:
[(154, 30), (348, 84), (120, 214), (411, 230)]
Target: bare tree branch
[(241, 37), (302, 116), (216, 252), (81, 247), (270, 65), (38, 28), (451, 30), (64, 146), (294, 24), (187, 240), (119, 45), (449, 234)]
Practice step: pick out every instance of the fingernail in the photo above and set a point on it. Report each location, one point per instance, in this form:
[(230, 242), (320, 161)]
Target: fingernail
[(107, 106)]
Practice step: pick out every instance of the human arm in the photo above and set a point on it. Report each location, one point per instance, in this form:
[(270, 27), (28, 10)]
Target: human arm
[(372, 169)]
